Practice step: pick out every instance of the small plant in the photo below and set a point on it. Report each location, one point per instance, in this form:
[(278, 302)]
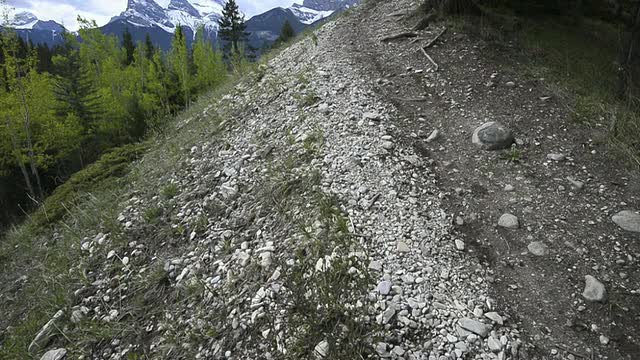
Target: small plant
[(170, 191), (514, 155), (152, 214)]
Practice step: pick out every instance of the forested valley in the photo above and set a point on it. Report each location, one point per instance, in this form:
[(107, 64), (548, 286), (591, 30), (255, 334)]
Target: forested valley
[(62, 107)]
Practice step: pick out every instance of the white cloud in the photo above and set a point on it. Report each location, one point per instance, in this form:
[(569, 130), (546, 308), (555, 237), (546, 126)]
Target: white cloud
[(67, 11)]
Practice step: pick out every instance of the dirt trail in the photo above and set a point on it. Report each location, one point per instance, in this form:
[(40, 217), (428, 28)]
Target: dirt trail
[(565, 205)]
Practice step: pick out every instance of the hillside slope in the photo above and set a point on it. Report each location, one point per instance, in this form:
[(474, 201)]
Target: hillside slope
[(308, 213)]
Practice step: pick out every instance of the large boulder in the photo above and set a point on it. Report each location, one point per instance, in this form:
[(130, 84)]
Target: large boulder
[(493, 136)]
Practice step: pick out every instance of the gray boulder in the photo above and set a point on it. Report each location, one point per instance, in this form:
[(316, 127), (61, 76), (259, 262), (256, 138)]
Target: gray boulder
[(493, 136), (628, 220)]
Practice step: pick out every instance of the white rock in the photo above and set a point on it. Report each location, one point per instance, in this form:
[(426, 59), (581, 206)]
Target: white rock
[(509, 221), (628, 220), (57, 354), (459, 245), (557, 157), (594, 290), (538, 248)]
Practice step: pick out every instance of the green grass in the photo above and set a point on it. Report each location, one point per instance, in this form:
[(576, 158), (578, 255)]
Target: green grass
[(102, 174)]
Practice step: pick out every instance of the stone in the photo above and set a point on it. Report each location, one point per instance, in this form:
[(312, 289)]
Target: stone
[(403, 247), (475, 326), (493, 136), (594, 290), (509, 188), (57, 354), (460, 245), (494, 344), (434, 136), (43, 337), (628, 220), (371, 116), (557, 157), (509, 221), (384, 287), (510, 84), (387, 145), (387, 315), (322, 349), (494, 316), (604, 340), (323, 108), (375, 265), (538, 248)]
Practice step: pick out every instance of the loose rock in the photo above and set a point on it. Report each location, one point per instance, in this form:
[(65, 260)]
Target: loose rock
[(509, 221), (594, 290), (493, 136), (628, 220)]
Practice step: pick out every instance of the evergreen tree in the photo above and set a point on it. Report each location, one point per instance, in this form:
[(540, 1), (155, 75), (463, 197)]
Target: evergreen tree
[(287, 32), (74, 90), (149, 49), (128, 46), (232, 29), (179, 60)]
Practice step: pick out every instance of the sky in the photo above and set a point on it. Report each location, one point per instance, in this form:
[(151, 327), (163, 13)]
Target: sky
[(66, 11)]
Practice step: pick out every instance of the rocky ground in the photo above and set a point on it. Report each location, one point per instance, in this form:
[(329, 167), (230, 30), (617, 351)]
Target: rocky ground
[(334, 205)]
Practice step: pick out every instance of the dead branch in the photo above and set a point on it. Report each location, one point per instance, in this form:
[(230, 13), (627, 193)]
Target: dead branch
[(424, 22), (430, 59), (408, 34), (433, 41)]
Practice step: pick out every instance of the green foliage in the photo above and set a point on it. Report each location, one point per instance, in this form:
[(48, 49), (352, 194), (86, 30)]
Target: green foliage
[(208, 63), (170, 191), (103, 173), (179, 61)]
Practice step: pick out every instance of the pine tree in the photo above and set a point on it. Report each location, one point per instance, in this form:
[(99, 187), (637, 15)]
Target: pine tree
[(287, 32), (179, 60), (129, 46), (149, 49), (74, 89), (232, 29)]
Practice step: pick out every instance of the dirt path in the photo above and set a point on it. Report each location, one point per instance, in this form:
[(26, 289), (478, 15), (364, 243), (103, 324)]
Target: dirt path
[(570, 218)]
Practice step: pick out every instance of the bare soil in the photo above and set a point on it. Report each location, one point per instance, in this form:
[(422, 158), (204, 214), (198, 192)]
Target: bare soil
[(479, 82)]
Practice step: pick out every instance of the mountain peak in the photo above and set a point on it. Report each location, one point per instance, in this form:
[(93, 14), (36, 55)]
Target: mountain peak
[(328, 5), (23, 19), (184, 6)]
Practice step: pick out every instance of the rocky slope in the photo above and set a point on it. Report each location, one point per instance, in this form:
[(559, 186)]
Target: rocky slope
[(334, 205)]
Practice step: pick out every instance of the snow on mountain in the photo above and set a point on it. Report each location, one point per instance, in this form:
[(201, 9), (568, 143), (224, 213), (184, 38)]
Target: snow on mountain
[(169, 14), (23, 21), (307, 15)]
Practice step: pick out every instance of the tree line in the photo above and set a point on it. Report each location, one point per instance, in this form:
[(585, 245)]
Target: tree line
[(62, 107)]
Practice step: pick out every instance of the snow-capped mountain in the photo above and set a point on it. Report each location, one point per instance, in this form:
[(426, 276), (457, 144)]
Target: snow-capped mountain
[(312, 11), (169, 14), (28, 21), (32, 29)]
